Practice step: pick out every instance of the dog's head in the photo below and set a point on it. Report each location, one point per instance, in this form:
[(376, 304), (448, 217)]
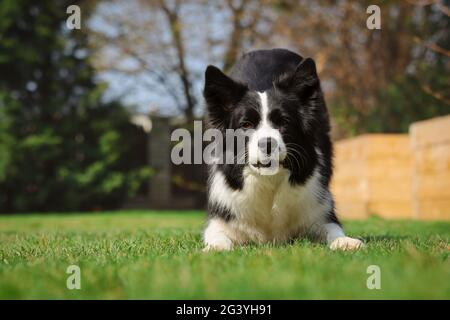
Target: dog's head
[(279, 123)]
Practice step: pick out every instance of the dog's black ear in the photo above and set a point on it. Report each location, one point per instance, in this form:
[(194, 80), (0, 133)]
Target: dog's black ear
[(302, 81), (221, 92)]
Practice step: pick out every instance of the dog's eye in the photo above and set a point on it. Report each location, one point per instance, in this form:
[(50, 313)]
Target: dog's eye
[(247, 125), (277, 118), (280, 122), (283, 121)]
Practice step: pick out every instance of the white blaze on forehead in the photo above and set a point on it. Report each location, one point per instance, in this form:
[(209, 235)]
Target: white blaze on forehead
[(265, 130), (264, 107)]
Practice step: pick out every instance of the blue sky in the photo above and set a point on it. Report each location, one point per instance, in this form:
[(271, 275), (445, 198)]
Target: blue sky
[(200, 25)]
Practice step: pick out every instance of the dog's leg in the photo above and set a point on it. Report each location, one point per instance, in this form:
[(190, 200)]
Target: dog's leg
[(215, 236), (337, 240)]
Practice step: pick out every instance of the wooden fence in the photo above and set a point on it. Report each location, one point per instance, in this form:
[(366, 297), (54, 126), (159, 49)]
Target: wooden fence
[(395, 175)]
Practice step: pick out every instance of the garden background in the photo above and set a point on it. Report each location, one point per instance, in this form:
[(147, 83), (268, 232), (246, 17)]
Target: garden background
[(85, 122)]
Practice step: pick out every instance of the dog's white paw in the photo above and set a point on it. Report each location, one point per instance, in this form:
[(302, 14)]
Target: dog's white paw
[(346, 244), (223, 245)]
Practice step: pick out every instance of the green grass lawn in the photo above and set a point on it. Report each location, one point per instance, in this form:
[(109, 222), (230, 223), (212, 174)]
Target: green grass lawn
[(157, 255)]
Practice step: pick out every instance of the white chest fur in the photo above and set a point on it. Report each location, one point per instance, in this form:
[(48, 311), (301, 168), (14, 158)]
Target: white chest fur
[(268, 208)]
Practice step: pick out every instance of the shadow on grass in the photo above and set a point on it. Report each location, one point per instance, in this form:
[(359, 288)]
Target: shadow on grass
[(388, 238)]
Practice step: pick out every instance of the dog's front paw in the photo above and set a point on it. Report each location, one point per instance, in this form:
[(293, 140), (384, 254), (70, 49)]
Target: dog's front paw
[(223, 245), (346, 244)]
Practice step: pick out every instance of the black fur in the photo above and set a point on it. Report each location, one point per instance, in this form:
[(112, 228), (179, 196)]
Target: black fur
[(217, 211), (297, 110)]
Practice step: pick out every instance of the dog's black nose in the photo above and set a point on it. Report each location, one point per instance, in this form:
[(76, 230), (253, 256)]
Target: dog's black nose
[(267, 145)]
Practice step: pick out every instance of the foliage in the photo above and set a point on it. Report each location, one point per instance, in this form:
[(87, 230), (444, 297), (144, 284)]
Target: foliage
[(407, 79), (396, 106), (374, 80), (150, 255), (61, 146)]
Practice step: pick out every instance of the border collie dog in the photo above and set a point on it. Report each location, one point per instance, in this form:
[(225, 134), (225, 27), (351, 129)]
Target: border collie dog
[(276, 96)]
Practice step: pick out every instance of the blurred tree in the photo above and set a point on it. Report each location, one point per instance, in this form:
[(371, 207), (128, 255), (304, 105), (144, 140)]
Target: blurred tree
[(375, 80), (162, 47), (61, 146), (166, 46)]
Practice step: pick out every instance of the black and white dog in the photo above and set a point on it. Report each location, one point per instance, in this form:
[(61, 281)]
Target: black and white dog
[(275, 95)]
